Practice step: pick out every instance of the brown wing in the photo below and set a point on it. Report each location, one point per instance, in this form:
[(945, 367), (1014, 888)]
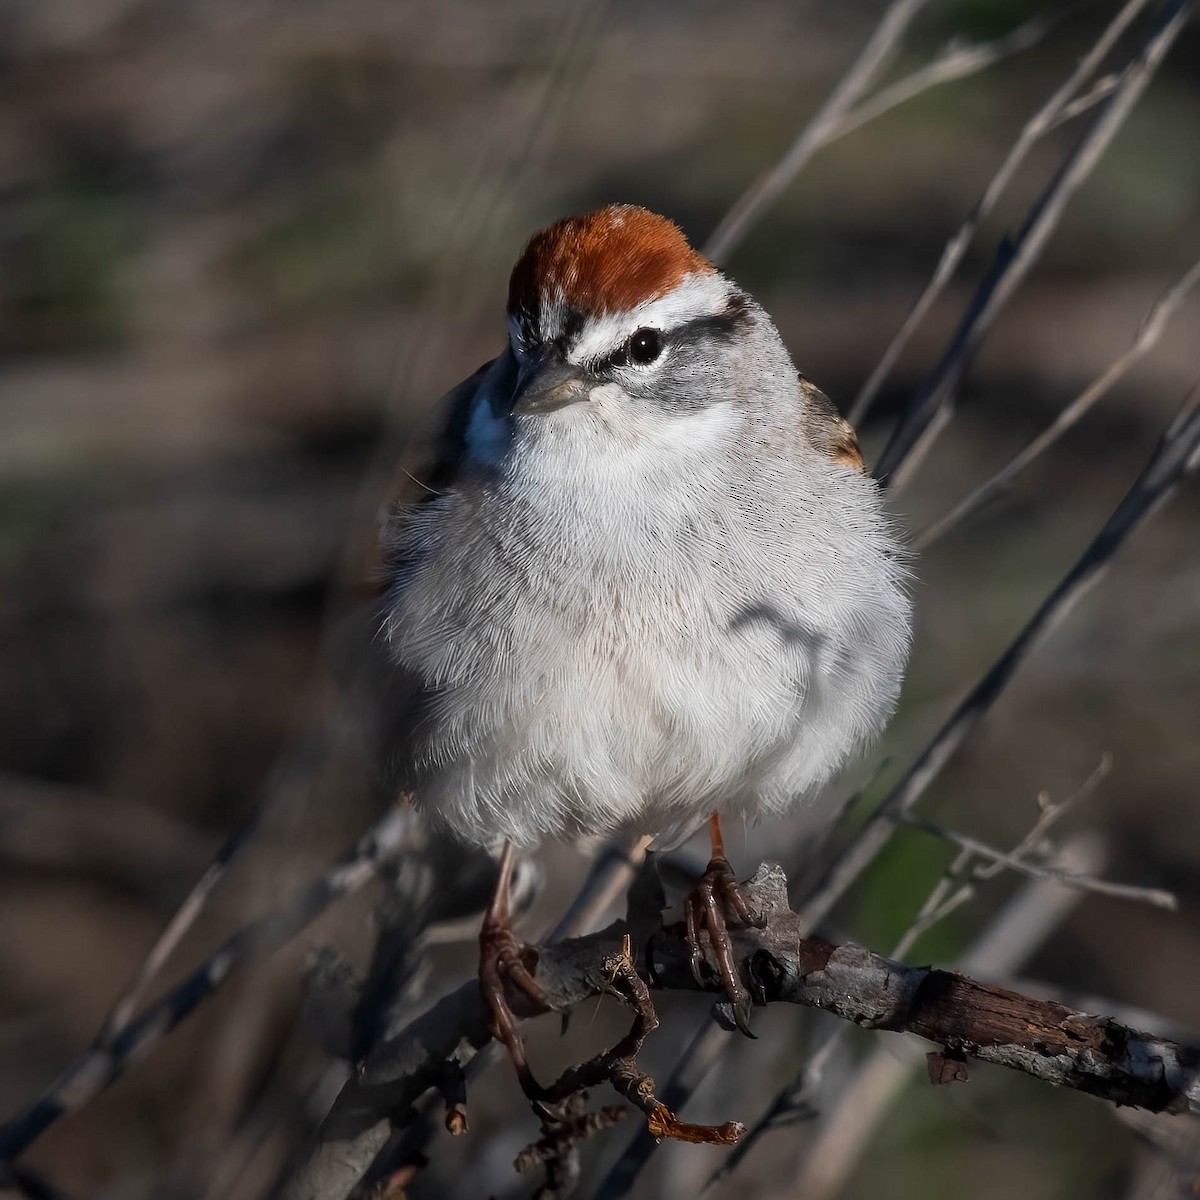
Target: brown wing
[(828, 430)]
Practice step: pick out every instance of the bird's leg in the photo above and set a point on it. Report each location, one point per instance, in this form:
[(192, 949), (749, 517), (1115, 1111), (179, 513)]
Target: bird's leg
[(715, 896), (504, 958)]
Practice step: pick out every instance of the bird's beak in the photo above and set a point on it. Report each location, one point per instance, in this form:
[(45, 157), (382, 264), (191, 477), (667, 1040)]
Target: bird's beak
[(546, 384)]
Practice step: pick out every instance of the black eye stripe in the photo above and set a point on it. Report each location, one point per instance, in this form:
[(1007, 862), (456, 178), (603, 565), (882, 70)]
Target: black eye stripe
[(721, 326)]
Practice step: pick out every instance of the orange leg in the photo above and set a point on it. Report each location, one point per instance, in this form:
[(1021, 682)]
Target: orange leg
[(503, 957), (708, 907)]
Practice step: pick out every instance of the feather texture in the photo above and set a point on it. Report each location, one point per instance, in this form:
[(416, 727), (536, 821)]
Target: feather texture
[(679, 595)]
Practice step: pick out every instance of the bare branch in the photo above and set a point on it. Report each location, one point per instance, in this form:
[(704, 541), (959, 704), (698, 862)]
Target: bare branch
[(881, 47), (1149, 332), (102, 1065), (1100, 90), (166, 943), (1039, 1038), (843, 112), (957, 885), (958, 60), (1018, 931), (1123, 1011), (1036, 128), (611, 873), (955, 888), (1019, 859), (1022, 925), (1052, 811), (932, 404), (1015, 860), (333, 1169)]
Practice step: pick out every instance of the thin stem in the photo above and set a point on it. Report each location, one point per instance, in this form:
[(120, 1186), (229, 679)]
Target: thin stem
[(1012, 860), (1148, 335), (103, 1065), (1037, 126), (880, 49)]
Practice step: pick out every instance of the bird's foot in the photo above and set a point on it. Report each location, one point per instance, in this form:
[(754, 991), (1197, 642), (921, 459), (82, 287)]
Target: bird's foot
[(716, 898), (504, 961)]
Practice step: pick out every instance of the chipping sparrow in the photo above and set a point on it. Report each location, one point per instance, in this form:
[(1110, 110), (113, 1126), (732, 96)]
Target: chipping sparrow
[(643, 579)]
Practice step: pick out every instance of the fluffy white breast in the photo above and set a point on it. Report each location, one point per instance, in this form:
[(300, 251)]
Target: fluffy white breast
[(631, 626)]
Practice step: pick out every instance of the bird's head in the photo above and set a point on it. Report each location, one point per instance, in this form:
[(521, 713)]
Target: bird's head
[(618, 326)]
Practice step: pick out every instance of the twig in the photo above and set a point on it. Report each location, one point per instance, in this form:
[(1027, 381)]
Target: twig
[(872, 60), (931, 405), (798, 1098), (101, 1066), (558, 1148), (956, 61), (333, 1170), (955, 888), (611, 873), (1014, 861), (176, 929), (1147, 337), (1051, 812), (1100, 90), (1173, 459), (1018, 931), (1018, 858), (193, 904), (1036, 128), (796, 1101), (1042, 1039), (1071, 997), (843, 112)]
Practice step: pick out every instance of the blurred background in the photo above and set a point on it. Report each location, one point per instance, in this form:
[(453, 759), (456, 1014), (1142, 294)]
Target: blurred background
[(244, 247)]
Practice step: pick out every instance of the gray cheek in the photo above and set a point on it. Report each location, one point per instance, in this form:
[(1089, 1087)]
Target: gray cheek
[(685, 384)]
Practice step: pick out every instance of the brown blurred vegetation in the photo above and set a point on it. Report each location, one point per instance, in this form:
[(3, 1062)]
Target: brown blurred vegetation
[(243, 246)]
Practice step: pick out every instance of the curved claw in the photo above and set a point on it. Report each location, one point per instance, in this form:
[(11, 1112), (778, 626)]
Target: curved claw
[(715, 895), (741, 1017)]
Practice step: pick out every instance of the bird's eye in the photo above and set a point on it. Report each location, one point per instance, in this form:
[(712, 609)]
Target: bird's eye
[(645, 346)]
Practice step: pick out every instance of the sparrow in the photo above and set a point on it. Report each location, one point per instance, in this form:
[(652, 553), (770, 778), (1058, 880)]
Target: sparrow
[(640, 579)]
